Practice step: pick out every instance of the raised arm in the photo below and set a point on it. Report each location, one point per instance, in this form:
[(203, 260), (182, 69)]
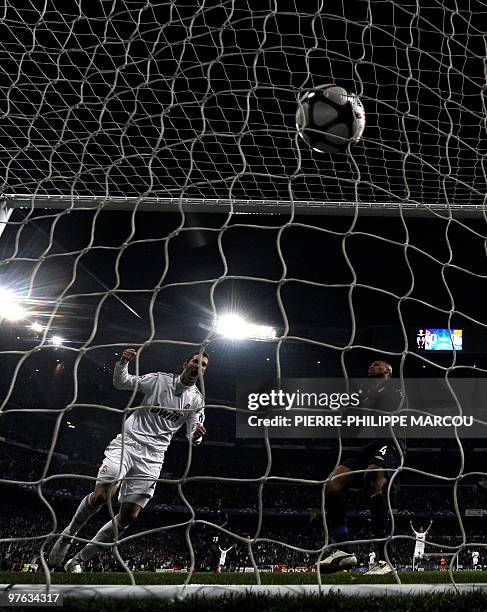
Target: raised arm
[(122, 380), (412, 527), (429, 526)]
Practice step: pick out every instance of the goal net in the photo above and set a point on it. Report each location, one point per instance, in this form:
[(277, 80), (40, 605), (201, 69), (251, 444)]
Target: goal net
[(123, 124)]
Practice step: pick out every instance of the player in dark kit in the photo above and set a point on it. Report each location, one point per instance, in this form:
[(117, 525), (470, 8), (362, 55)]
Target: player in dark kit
[(377, 460), (221, 519), (214, 539)]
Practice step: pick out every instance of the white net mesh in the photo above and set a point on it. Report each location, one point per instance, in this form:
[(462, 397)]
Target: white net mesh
[(198, 101), (165, 106)]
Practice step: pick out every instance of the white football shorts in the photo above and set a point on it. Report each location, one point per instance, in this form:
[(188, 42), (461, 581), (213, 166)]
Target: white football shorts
[(136, 471), (419, 552)]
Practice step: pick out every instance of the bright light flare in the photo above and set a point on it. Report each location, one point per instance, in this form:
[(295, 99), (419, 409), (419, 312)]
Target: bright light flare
[(234, 327), (10, 308), (57, 340), (36, 327)]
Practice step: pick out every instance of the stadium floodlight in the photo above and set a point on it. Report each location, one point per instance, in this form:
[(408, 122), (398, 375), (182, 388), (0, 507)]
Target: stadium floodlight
[(10, 309), (235, 327), (37, 327), (57, 340), (232, 326), (262, 332)]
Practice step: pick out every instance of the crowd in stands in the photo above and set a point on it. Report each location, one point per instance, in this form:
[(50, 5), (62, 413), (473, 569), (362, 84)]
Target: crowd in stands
[(279, 542), (61, 476)]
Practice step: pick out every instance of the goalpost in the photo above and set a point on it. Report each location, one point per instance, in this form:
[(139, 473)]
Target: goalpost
[(438, 556), (179, 109)]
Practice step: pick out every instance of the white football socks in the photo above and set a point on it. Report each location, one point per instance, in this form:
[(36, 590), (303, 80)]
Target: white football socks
[(84, 512), (106, 534)]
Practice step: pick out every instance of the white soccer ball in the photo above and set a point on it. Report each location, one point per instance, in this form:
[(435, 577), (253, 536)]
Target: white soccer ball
[(329, 119)]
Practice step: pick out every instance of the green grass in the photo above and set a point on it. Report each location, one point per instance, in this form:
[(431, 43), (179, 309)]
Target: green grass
[(334, 602), (247, 578), (331, 602)]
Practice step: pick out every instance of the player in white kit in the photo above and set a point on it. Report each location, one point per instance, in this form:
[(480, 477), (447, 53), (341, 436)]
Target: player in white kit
[(372, 556), (169, 402), (475, 558), (223, 557), (420, 543)]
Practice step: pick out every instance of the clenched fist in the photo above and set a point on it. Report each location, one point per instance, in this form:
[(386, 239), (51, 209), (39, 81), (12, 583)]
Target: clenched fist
[(127, 355), (198, 434)]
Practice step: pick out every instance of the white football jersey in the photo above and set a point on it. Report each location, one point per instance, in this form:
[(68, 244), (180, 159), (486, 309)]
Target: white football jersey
[(371, 557), (420, 537), (223, 555), (166, 406), (475, 556)]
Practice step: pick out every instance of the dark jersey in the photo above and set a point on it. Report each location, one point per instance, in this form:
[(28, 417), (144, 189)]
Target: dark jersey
[(220, 518), (376, 401)]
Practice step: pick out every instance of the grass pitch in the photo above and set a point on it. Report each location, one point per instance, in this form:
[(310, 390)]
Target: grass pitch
[(435, 577), (475, 601)]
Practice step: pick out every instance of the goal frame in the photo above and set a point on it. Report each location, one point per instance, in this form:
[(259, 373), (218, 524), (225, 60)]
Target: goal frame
[(240, 206)]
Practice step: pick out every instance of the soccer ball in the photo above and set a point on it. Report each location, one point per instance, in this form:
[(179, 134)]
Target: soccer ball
[(329, 119)]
